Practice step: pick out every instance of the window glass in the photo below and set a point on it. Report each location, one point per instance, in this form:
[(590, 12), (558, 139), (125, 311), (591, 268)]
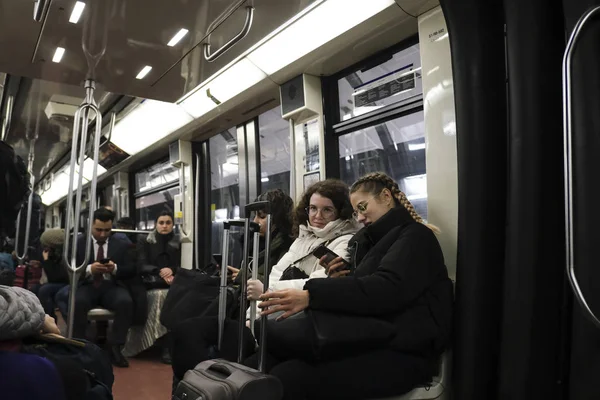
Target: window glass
[(396, 147), (154, 176), (147, 208), (275, 157), (225, 191), (388, 82)]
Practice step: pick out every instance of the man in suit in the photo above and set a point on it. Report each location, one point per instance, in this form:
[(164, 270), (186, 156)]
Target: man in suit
[(102, 283)]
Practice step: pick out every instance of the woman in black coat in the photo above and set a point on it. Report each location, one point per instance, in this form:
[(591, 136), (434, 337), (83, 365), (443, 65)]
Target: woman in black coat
[(158, 259), (400, 278)]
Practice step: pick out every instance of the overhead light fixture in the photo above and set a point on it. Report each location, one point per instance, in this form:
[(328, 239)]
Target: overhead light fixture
[(416, 146), (144, 72), (178, 36), (58, 54), (148, 123), (222, 87), (265, 179), (300, 37), (77, 11)]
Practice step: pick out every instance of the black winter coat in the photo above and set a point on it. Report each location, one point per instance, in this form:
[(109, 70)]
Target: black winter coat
[(400, 277)]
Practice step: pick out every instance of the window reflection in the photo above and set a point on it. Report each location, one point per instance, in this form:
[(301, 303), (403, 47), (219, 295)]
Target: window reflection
[(396, 147), (368, 89), (225, 190), (155, 176), (274, 151), (149, 207)]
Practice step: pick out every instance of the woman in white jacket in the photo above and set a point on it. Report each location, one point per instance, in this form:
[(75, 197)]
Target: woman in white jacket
[(322, 216)]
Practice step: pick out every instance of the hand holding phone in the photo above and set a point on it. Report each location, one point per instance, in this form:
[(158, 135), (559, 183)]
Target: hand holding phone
[(335, 265)]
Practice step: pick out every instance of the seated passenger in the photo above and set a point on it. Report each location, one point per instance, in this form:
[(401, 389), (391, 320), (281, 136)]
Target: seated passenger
[(103, 283), (52, 241), (399, 278), (25, 376), (323, 216), (158, 259)]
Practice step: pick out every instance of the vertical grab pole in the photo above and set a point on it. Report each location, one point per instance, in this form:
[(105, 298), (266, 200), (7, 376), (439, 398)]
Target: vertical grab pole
[(183, 227), (21, 257), (292, 160), (244, 292), (223, 286), (82, 114), (196, 214), (255, 253)]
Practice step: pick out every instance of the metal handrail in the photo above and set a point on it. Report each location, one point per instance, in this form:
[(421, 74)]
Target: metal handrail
[(183, 225), (196, 213), (568, 167), (242, 34), (117, 230), (83, 113), (255, 254), (21, 257)]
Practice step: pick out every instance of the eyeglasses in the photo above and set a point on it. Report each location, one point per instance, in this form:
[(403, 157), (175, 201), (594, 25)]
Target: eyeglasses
[(361, 208), (326, 212)]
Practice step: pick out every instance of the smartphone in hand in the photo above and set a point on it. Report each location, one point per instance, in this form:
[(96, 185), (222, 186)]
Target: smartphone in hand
[(330, 255)]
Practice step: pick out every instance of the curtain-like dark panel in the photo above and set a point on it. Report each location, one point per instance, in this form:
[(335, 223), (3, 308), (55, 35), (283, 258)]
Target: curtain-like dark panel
[(534, 270), (585, 350), (476, 30)]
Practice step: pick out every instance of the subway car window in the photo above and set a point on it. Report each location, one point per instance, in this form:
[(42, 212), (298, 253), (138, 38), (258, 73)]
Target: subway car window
[(396, 147), (385, 82), (225, 190), (148, 207), (274, 151), (155, 176)]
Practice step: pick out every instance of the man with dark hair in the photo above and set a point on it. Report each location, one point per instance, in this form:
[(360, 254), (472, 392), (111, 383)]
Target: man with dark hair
[(102, 283)]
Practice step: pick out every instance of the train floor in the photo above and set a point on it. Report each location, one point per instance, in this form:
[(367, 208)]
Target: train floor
[(146, 378)]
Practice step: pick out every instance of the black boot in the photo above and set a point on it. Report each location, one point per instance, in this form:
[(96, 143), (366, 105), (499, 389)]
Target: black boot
[(117, 358), (166, 355)]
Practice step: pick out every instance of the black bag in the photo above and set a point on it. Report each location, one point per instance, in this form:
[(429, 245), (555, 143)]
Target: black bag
[(152, 280), (87, 356), (315, 335), (222, 379), (292, 272), (190, 294)]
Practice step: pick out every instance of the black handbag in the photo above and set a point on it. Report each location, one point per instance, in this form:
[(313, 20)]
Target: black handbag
[(152, 280)]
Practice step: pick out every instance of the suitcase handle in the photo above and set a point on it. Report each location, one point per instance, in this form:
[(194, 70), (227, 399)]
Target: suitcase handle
[(258, 206), (220, 369), (233, 222)]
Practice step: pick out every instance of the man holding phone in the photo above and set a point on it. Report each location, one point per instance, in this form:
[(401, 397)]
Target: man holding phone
[(102, 283)]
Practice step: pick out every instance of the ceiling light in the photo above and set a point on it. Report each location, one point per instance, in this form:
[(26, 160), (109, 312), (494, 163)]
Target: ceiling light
[(178, 36), (224, 86), (416, 146), (300, 37), (144, 72), (58, 54), (148, 123), (77, 11)]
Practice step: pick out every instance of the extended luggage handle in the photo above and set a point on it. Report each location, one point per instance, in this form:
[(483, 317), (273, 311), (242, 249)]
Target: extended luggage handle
[(568, 166), (266, 207)]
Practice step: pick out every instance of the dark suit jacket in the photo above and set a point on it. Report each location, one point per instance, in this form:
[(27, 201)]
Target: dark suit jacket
[(123, 254)]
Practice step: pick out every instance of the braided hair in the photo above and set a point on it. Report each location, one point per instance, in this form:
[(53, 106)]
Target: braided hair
[(375, 182)]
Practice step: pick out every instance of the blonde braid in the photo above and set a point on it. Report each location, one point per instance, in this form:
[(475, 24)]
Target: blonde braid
[(387, 182)]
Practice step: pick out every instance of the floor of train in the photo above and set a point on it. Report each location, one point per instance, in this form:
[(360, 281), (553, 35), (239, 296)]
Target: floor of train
[(146, 378)]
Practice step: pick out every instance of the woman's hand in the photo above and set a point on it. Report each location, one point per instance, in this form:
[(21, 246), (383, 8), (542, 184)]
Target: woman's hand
[(166, 273), (50, 325), (333, 268), (255, 289), (169, 280), (292, 301), (234, 272)]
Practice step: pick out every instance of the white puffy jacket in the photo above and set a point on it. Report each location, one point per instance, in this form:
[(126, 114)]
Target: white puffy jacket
[(337, 233)]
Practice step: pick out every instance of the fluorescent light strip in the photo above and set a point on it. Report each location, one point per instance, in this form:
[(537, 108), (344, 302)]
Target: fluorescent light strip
[(144, 72), (77, 11), (178, 36), (301, 37), (416, 146), (58, 54)]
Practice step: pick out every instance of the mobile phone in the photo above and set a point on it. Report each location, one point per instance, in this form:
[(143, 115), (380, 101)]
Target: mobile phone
[(218, 258), (104, 261), (322, 250)]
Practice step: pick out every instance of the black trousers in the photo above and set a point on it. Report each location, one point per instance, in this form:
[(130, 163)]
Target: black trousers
[(195, 339), (111, 297), (374, 374)]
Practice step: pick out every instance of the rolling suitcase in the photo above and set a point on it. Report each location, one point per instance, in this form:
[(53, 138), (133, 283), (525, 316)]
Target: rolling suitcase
[(220, 379)]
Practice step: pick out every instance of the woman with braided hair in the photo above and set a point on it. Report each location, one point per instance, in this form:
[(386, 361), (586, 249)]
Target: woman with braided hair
[(397, 277)]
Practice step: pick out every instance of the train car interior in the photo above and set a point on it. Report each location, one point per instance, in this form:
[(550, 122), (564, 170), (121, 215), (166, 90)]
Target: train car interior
[(485, 115)]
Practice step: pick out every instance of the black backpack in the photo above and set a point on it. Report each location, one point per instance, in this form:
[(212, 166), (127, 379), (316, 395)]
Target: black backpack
[(91, 359), (14, 188)]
